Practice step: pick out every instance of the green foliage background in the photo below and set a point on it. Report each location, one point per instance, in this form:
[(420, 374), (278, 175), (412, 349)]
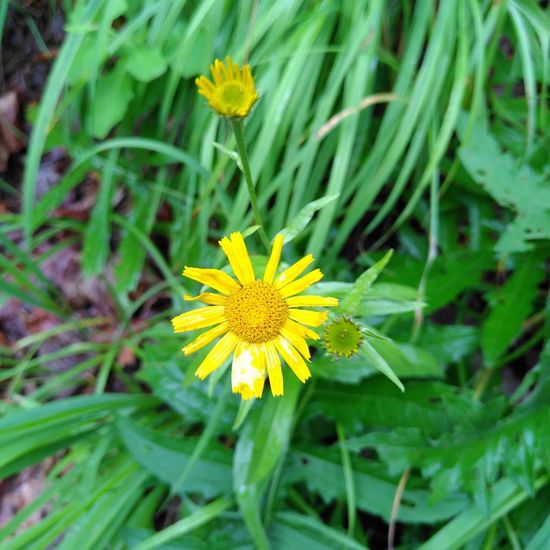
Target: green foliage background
[(450, 170)]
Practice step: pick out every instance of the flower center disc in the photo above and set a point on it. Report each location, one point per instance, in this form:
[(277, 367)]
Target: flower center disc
[(233, 94), (256, 312), (342, 337)]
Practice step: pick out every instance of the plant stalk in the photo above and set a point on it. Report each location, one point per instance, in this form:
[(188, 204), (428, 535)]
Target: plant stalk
[(238, 129)]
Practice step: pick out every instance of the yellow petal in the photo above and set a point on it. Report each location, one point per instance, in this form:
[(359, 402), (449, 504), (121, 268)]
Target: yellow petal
[(289, 274), (274, 369), (293, 358), (296, 340), (247, 77), (214, 278), (205, 85), (301, 330), (310, 318), (205, 338), (217, 355), (248, 370), (311, 301), (242, 255), (198, 318), (207, 298), (274, 259), (216, 72), (238, 257), (301, 284), (229, 63)]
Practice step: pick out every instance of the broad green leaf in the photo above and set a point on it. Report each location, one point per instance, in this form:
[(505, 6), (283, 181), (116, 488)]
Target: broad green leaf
[(321, 470), (451, 275), (449, 343), (541, 537), (113, 95), (291, 531), (511, 305), (185, 394), (145, 64), (166, 456), (262, 443), (513, 184), (376, 402), (506, 495)]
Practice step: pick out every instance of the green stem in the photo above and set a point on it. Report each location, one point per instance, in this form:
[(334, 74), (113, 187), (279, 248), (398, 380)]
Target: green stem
[(238, 129)]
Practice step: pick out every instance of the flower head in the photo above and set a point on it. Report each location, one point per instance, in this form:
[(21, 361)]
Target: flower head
[(258, 320), (342, 337), (232, 93)]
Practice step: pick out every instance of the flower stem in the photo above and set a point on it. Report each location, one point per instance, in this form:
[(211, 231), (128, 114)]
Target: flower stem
[(238, 129)]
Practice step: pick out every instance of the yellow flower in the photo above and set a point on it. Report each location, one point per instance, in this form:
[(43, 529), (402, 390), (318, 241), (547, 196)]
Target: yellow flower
[(257, 319), (232, 93)]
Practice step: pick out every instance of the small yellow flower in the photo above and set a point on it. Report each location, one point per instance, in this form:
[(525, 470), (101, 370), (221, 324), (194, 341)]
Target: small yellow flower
[(257, 319), (232, 93)]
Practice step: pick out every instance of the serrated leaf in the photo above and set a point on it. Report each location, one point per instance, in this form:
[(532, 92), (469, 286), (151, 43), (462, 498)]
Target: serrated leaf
[(513, 184), (321, 470), (511, 307), (452, 274)]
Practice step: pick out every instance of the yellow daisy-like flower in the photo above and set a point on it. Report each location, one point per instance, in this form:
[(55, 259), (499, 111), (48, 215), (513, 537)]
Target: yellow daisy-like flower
[(232, 93), (258, 319)]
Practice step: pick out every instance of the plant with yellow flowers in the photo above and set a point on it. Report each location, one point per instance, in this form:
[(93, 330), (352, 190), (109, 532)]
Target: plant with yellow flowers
[(258, 320), (232, 93)]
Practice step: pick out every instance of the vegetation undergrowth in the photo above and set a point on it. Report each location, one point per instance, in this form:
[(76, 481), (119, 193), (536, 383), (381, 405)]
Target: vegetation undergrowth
[(403, 144)]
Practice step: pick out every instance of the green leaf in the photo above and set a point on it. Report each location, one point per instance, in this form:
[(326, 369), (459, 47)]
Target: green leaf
[(113, 95), (98, 231), (513, 184), (196, 519), (231, 154), (505, 496), (186, 395), (370, 353), (389, 298), (360, 288), (377, 403), (321, 470), (452, 274), (166, 457), (511, 305), (408, 361), (300, 221), (449, 343), (262, 443), (541, 537), (293, 531), (145, 64)]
